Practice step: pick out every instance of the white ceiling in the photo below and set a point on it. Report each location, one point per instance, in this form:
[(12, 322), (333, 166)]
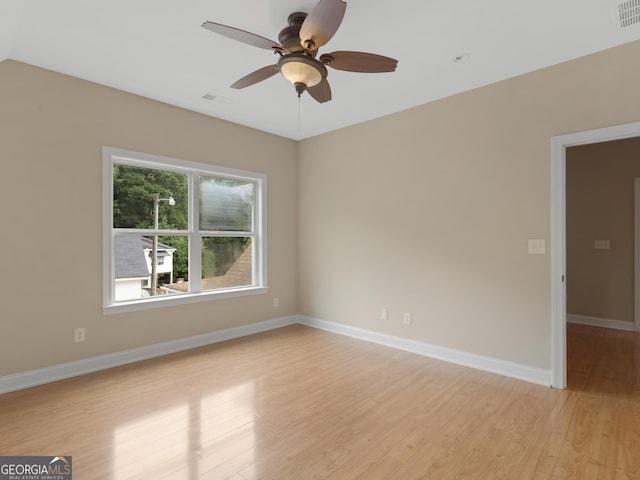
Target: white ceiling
[(158, 49)]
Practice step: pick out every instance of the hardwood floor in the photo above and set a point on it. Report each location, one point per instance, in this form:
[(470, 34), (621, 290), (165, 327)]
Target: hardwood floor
[(299, 403)]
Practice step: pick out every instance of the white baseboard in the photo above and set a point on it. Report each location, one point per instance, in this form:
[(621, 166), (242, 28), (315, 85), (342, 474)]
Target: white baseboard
[(601, 322), (488, 364), (41, 376)]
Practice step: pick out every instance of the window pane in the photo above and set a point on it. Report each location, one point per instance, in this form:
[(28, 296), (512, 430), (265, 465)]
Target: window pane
[(134, 189), (134, 271), (226, 205), (226, 262)]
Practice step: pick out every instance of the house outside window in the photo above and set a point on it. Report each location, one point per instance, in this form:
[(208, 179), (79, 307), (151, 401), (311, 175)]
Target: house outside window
[(164, 258), (204, 224)]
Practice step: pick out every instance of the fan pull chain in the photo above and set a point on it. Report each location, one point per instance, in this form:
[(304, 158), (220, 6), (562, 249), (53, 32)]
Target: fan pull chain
[(299, 115)]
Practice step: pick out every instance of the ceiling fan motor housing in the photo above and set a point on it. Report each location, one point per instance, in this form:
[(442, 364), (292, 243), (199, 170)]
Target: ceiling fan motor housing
[(289, 37)]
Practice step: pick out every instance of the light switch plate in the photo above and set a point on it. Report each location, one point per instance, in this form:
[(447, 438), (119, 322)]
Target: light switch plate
[(601, 245), (537, 247)]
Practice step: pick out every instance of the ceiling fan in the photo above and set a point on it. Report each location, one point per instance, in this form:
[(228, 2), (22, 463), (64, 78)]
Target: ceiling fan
[(298, 48)]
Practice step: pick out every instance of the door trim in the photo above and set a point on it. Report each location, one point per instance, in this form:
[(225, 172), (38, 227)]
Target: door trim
[(559, 145), (636, 254)]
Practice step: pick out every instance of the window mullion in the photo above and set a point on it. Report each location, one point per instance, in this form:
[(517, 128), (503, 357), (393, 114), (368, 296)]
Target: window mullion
[(214, 233), (195, 240)]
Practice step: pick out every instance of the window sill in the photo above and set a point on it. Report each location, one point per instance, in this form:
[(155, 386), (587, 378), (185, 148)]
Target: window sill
[(183, 299)]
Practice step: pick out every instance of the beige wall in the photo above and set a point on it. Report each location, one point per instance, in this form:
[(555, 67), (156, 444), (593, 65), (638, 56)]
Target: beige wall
[(429, 210), (426, 211), (52, 129), (600, 207)]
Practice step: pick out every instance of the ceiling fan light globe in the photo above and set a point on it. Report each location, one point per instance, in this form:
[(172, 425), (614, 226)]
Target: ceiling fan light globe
[(302, 69), (298, 72)]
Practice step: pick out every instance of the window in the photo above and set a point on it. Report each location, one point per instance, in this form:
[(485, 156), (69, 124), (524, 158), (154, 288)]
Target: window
[(178, 231)]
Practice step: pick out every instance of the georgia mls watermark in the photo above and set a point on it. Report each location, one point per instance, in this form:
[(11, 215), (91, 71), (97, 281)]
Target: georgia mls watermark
[(35, 468)]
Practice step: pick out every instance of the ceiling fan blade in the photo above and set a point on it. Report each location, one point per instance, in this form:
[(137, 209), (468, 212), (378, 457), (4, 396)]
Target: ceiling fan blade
[(321, 92), (255, 77), (242, 36), (359, 62), (322, 23)]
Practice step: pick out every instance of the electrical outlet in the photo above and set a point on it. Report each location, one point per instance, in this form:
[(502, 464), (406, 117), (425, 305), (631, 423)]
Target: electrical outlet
[(79, 335), (276, 302), (408, 320), (384, 314)]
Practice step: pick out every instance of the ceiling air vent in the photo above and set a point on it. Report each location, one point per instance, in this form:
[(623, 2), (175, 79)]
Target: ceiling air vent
[(217, 98), (629, 13)]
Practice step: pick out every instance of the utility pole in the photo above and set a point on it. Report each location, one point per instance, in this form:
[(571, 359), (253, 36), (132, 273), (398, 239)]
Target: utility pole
[(154, 249)]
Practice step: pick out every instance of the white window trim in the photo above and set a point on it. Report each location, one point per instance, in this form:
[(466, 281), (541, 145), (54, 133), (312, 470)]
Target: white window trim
[(110, 156)]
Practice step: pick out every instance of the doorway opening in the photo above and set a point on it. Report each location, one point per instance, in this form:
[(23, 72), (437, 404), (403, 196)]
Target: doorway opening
[(559, 145)]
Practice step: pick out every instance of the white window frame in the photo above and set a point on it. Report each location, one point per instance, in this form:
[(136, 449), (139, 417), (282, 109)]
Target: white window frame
[(112, 156)]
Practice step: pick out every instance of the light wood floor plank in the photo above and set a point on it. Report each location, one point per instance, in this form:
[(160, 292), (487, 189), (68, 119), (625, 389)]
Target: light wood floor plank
[(298, 403)]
